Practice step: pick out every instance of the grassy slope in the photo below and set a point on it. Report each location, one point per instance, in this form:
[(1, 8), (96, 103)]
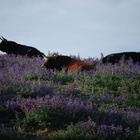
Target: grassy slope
[(39, 103)]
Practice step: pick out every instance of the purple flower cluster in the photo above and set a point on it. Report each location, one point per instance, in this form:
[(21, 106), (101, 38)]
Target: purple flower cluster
[(106, 130), (108, 95), (74, 107)]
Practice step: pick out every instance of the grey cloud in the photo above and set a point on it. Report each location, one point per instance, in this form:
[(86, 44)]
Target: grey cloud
[(87, 27)]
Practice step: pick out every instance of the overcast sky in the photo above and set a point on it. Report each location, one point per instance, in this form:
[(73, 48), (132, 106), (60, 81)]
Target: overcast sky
[(73, 27)]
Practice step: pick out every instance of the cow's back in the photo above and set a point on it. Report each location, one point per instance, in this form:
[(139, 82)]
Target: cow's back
[(116, 57)]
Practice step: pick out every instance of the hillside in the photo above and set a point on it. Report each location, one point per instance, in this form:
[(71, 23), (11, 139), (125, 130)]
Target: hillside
[(40, 104)]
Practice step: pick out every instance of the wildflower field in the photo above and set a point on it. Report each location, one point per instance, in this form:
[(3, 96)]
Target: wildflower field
[(41, 104)]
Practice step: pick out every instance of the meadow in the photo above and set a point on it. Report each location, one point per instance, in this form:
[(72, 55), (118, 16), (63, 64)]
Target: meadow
[(41, 104)]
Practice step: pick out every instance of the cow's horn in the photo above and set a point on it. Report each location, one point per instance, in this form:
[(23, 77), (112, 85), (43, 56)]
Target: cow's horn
[(2, 38)]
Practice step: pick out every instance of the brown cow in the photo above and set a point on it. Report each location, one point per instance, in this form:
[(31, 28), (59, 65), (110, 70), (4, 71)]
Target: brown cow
[(67, 63), (80, 66)]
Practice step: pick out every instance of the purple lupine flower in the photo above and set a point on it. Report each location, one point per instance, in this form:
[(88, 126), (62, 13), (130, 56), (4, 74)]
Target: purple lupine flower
[(109, 129)]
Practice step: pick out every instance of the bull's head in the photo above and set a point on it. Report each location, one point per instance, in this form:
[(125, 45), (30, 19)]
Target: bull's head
[(3, 45), (48, 62), (53, 62)]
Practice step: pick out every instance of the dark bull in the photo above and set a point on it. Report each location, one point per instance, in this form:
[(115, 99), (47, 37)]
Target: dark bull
[(125, 56), (11, 47)]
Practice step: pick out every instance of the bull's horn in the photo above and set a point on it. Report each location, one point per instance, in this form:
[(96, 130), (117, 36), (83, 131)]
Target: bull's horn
[(2, 38), (45, 57)]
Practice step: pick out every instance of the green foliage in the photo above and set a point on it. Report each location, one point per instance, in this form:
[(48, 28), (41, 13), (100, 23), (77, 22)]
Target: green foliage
[(30, 122), (71, 133), (101, 84), (7, 115), (63, 78), (31, 76), (51, 117), (36, 99), (22, 92), (43, 118)]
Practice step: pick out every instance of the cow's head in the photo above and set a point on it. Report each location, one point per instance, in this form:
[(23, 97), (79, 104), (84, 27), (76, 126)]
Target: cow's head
[(5, 44), (57, 62), (50, 62)]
